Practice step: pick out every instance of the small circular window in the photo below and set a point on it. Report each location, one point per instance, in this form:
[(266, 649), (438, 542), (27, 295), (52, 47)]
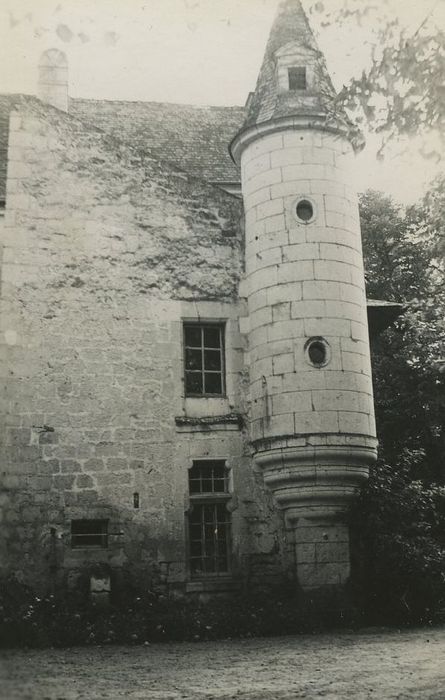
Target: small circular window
[(317, 350), (305, 210)]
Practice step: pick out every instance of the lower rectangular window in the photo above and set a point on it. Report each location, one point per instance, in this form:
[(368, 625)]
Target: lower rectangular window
[(89, 533), (209, 525), (209, 520)]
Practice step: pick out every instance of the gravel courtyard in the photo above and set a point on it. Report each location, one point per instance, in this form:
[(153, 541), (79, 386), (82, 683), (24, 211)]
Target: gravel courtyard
[(376, 664)]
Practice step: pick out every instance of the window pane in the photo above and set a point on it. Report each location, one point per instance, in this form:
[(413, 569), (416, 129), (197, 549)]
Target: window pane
[(212, 360), (219, 470), (193, 382), (213, 383), (297, 78), (193, 336), (193, 359), (212, 337), (219, 485)]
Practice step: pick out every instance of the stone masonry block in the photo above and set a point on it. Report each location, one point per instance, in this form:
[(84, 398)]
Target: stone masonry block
[(326, 327), (359, 331), (286, 189), (257, 165), (272, 208), (257, 300), (301, 251), (303, 172), (258, 197), (291, 402), (282, 424), (285, 329), (84, 481), (335, 220), (352, 294), (274, 223), (283, 364), (261, 279), (341, 253), (305, 379), (332, 271), (291, 291), (288, 156), (318, 156), (297, 271), (301, 137), (330, 400), (281, 312), (353, 362), (262, 317), (308, 309), (259, 182), (316, 422), (327, 187), (358, 423), (321, 290), (349, 380), (267, 144), (359, 347)]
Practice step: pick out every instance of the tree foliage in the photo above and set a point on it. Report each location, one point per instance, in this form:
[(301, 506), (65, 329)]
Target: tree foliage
[(401, 513), (401, 91)]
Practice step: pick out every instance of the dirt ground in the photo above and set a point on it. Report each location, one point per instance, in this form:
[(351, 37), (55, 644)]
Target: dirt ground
[(377, 664)]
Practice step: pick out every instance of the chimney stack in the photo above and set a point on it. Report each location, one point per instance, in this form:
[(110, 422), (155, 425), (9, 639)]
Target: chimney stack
[(53, 79)]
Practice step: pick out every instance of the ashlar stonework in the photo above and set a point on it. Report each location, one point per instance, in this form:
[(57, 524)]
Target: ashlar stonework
[(137, 451)]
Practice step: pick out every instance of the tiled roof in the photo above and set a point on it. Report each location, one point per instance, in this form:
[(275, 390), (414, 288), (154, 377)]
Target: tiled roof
[(269, 101), (192, 138)]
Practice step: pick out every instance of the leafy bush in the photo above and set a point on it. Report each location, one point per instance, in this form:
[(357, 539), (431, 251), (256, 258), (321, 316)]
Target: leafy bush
[(399, 551), (29, 620)]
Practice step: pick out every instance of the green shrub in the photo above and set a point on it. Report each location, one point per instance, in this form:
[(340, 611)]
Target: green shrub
[(399, 550)]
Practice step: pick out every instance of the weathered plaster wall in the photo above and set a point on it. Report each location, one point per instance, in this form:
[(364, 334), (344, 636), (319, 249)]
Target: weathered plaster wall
[(105, 251)]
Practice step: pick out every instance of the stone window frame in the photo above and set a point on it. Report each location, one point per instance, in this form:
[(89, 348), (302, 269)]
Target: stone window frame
[(292, 56), (305, 198), (201, 503), (205, 324)]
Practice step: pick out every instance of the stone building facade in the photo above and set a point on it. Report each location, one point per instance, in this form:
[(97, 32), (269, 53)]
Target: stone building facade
[(186, 388)]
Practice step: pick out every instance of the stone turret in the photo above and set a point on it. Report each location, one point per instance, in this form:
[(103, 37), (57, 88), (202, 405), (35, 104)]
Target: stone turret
[(53, 79), (312, 417)]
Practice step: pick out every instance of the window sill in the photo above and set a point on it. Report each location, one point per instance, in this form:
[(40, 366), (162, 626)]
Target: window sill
[(224, 582)]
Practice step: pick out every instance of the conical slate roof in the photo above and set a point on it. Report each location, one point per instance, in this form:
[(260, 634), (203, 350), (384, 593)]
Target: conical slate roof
[(291, 43)]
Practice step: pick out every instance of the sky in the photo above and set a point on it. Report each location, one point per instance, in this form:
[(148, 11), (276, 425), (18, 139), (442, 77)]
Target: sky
[(197, 52)]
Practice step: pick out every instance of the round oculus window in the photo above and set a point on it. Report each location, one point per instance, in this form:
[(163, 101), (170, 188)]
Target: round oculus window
[(304, 210), (318, 352)]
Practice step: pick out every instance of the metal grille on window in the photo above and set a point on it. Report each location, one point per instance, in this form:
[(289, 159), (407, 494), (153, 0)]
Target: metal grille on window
[(89, 533), (209, 519), (204, 359)]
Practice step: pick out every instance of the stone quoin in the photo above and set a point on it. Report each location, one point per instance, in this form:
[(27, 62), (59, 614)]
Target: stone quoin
[(186, 383)]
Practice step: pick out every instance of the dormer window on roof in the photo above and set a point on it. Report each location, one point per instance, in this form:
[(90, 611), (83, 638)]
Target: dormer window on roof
[(297, 78)]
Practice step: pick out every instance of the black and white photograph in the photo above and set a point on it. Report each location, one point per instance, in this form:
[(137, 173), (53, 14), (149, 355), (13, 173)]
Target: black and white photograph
[(222, 349)]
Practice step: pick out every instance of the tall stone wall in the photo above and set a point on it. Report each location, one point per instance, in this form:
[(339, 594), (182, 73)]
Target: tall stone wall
[(105, 251)]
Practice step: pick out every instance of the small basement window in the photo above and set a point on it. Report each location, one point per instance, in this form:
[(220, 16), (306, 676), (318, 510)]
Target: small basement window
[(89, 533), (297, 78)]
